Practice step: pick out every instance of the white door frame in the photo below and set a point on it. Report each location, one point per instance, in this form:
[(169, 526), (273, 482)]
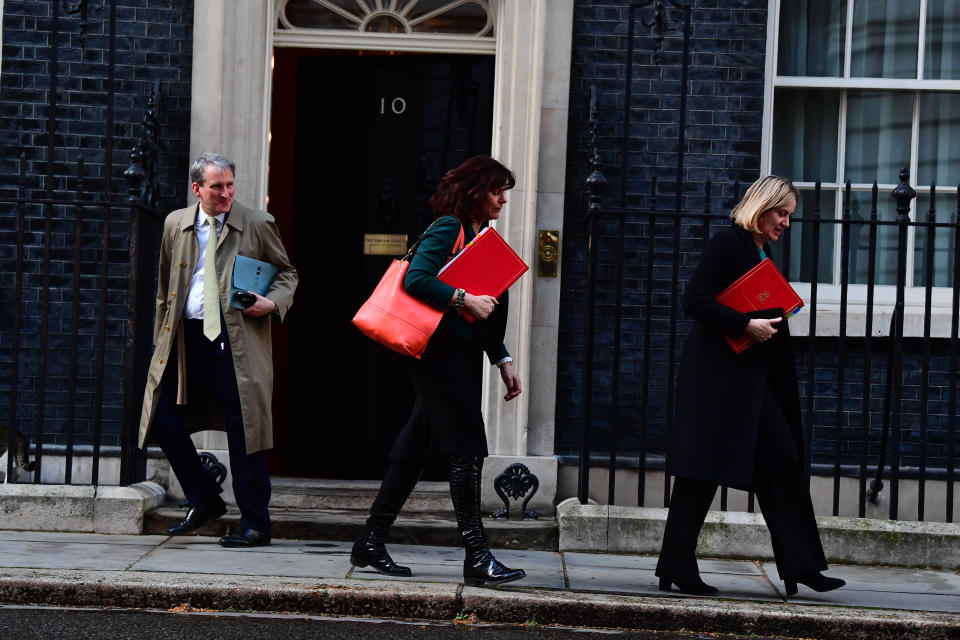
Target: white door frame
[(231, 89)]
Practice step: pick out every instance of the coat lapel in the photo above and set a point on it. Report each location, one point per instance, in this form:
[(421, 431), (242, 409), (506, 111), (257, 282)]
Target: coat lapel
[(191, 250)]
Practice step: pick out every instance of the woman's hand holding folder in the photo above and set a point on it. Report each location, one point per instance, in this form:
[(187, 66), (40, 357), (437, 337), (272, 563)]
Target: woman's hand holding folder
[(761, 329), (477, 306)]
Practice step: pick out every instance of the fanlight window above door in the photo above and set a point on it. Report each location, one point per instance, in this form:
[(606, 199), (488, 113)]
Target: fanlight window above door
[(466, 17)]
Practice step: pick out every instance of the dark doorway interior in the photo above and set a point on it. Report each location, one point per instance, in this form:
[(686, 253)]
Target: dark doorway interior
[(359, 142)]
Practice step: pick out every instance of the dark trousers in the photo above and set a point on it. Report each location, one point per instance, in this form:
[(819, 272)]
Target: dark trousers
[(210, 373), (784, 501), (398, 483)]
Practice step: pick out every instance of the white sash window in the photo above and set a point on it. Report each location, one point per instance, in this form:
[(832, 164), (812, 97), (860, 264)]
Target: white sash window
[(858, 89)]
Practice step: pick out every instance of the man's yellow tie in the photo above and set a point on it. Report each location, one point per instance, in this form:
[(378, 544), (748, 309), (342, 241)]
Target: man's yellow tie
[(211, 288)]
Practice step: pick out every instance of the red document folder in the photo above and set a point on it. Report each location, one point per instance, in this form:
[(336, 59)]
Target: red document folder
[(486, 267), (763, 287)]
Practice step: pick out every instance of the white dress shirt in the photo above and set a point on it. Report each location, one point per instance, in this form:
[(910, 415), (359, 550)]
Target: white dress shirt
[(194, 305)]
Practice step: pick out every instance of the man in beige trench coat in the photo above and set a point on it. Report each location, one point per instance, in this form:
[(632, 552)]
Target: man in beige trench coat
[(212, 365)]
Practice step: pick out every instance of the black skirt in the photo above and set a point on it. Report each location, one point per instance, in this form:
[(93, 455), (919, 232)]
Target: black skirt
[(446, 418)]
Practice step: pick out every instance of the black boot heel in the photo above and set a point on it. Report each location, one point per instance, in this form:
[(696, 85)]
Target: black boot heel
[(698, 588), (814, 580)]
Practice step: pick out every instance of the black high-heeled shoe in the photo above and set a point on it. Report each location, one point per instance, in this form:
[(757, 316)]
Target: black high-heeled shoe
[(699, 588), (815, 580)]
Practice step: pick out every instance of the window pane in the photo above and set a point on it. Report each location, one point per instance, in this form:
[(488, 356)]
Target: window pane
[(878, 135), (941, 58), (944, 247), (464, 18), (885, 266), (802, 257), (805, 134), (812, 37), (939, 145), (310, 15), (886, 34)]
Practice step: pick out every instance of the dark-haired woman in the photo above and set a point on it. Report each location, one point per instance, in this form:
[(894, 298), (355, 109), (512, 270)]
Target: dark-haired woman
[(738, 416), (446, 419)]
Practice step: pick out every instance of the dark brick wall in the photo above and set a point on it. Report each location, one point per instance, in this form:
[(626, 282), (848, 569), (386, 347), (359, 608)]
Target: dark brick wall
[(724, 112), (153, 42), (723, 133)]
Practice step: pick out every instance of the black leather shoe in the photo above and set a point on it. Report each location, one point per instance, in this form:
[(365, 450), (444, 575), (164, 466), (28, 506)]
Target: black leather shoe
[(199, 515), (815, 580), (698, 588), (245, 538)]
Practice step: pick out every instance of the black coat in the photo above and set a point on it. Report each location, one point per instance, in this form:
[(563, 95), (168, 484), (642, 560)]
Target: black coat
[(719, 392)]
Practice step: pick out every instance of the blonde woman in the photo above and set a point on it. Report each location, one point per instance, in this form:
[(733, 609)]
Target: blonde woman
[(738, 417)]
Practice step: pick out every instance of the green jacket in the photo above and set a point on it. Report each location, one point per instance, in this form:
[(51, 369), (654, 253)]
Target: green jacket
[(421, 282)]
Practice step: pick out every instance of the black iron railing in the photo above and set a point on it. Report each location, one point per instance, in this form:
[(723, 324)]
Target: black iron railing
[(46, 363)]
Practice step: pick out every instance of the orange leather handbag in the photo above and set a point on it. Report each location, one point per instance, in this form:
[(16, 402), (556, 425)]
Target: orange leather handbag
[(393, 317)]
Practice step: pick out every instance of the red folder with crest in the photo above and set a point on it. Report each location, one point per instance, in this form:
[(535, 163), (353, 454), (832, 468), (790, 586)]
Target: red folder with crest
[(763, 287)]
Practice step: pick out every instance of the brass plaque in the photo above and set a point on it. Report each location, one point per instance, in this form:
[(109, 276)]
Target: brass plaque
[(548, 253), (384, 244)]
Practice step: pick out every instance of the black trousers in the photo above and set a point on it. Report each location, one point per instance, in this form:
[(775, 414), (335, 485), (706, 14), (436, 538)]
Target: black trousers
[(781, 492), (210, 372)]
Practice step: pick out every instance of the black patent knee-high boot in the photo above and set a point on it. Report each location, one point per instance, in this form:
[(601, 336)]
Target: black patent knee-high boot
[(479, 565), (369, 549)]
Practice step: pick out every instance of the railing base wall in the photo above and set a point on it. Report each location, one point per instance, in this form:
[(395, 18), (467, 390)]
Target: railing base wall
[(821, 490), (85, 509), (54, 466), (606, 529)]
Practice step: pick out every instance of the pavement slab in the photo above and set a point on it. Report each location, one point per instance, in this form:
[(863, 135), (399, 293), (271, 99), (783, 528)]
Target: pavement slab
[(883, 588), (72, 551), (445, 564), (599, 590), (279, 559), (87, 538)]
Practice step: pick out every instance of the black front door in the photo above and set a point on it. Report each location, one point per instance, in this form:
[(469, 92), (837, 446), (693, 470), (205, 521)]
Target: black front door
[(374, 134)]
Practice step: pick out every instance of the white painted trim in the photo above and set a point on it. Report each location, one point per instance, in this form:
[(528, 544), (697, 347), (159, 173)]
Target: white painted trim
[(828, 310), (921, 38), (770, 72), (420, 42), (267, 110), (848, 42), (886, 84)]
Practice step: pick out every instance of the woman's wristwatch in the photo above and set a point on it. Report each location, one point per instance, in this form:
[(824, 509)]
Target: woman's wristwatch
[(458, 303)]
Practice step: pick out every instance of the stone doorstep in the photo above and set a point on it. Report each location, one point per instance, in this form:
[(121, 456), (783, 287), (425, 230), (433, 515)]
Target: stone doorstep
[(104, 509), (428, 497), (309, 493), (325, 509), (615, 529), (345, 525)]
